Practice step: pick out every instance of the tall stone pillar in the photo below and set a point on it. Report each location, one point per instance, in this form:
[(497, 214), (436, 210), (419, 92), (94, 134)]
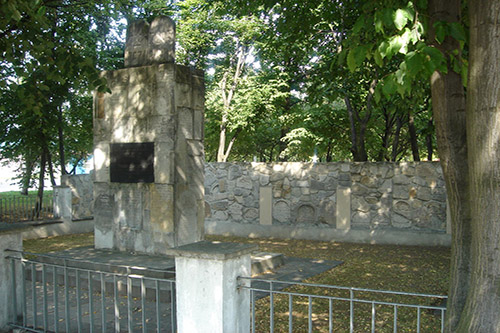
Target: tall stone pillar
[(148, 147)]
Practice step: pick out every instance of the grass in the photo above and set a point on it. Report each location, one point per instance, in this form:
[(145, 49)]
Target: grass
[(387, 267), (15, 194)]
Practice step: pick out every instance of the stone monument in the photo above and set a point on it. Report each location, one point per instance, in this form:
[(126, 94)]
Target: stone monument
[(148, 147)]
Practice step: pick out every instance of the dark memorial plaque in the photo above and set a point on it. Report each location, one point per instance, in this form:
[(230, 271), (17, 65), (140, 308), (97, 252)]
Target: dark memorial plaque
[(132, 162)]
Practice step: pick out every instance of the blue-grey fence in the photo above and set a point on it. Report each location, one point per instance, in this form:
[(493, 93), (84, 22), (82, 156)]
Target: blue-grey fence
[(63, 295), (293, 307), (26, 208)]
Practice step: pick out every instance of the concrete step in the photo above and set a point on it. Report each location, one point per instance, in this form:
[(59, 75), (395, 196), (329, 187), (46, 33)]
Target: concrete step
[(263, 262), (154, 266)]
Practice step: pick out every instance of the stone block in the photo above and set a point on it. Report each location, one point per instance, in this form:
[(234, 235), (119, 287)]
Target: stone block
[(343, 209), (183, 95), (148, 44), (305, 214), (265, 206), (250, 214), (185, 122), (264, 180), (198, 124), (164, 163), (281, 211), (101, 162)]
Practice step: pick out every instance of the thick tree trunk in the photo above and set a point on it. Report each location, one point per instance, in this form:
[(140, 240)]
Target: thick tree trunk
[(481, 312), (448, 104)]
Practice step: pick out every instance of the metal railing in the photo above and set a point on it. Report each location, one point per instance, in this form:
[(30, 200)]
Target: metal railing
[(64, 295), (300, 307), (25, 208)]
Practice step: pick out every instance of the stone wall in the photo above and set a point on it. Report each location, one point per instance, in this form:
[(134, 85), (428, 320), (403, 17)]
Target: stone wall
[(398, 196), (82, 197)]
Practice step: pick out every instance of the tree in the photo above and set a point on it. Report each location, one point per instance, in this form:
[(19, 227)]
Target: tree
[(448, 99), (480, 313)]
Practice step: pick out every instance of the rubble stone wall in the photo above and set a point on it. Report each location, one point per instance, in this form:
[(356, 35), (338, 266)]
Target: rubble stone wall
[(399, 196), (82, 196)]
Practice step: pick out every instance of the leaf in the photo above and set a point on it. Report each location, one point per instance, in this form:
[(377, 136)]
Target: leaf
[(16, 15), (440, 28), (378, 58), (356, 57), (382, 49), (389, 86), (457, 31), (400, 18)]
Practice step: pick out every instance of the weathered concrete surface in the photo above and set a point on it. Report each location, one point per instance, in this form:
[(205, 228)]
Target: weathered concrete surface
[(208, 297), (380, 236), (152, 101), (10, 238)]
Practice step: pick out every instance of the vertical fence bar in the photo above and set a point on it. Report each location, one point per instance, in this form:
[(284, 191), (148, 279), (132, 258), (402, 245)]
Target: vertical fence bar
[(14, 293), (418, 319), (103, 303), (158, 317), (23, 291), (309, 314), (351, 310), (373, 317), (442, 320), (143, 304), (66, 298), (173, 316), (45, 299), (55, 288), (252, 300), (271, 307), (91, 302), (117, 310), (78, 301), (330, 315), (395, 318), (290, 313), (33, 294), (129, 301)]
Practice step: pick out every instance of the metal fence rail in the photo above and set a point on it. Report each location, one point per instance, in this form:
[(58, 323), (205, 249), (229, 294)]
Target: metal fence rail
[(70, 297), (293, 307), (25, 208)]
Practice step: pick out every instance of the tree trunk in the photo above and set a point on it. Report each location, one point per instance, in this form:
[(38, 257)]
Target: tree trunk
[(227, 92), (448, 104), (41, 184), (60, 133), (413, 137), (25, 181), (481, 312), (428, 142), (395, 142)]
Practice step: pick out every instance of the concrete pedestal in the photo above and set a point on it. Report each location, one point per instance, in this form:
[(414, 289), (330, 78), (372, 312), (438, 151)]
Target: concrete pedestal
[(207, 293), (10, 238)]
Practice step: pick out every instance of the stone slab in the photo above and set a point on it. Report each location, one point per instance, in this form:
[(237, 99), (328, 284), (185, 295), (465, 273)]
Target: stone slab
[(265, 262), (212, 250)]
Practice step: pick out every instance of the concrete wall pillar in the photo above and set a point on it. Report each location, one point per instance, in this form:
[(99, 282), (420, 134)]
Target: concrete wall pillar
[(10, 238), (266, 205), (207, 293), (62, 202), (343, 213)]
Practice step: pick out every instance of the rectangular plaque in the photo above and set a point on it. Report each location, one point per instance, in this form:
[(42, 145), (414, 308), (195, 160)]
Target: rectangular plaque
[(132, 162)]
